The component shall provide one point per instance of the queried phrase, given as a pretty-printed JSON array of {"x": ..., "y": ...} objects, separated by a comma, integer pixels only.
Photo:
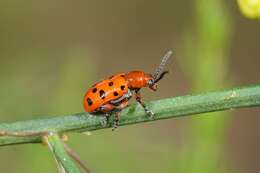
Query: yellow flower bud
[{"x": 250, "y": 8}]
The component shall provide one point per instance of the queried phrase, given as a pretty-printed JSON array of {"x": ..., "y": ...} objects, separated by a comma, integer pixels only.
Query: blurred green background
[{"x": 51, "y": 52}]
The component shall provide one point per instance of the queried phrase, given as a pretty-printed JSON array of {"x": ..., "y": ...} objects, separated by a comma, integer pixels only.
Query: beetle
[{"x": 113, "y": 93}]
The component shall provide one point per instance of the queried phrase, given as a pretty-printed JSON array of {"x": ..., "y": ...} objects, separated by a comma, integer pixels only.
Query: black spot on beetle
[
  {"x": 102, "y": 94},
  {"x": 115, "y": 93},
  {"x": 90, "y": 102},
  {"x": 111, "y": 83},
  {"x": 122, "y": 87},
  {"x": 94, "y": 90},
  {"x": 122, "y": 75}
]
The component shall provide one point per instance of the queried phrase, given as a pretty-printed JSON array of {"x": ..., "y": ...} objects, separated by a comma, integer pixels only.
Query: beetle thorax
[{"x": 137, "y": 79}]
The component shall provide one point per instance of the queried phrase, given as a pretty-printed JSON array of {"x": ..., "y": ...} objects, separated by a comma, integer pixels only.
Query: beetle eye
[{"x": 150, "y": 82}]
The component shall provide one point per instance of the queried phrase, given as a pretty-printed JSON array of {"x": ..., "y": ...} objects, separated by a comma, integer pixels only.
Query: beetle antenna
[
  {"x": 157, "y": 74},
  {"x": 160, "y": 76}
]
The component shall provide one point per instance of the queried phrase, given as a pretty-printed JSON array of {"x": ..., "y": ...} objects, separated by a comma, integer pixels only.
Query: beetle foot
[
  {"x": 150, "y": 113},
  {"x": 105, "y": 120},
  {"x": 115, "y": 126}
]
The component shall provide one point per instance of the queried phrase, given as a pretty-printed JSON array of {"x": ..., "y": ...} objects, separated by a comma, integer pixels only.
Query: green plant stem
[
  {"x": 57, "y": 148},
  {"x": 163, "y": 109}
]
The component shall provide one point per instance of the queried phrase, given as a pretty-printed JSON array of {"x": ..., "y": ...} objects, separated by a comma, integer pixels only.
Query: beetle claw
[
  {"x": 104, "y": 122},
  {"x": 150, "y": 113},
  {"x": 115, "y": 126}
]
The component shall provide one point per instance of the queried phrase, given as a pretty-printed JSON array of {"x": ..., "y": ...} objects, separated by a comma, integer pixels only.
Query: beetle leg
[
  {"x": 116, "y": 121},
  {"x": 126, "y": 96},
  {"x": 123, "y": 105},
  {"x": 118, "y": 112},
  {"x": 107, "y": 115},
  {"x": 106, "y": 109},
  {"x": 139, "y": 100},
  {"x": 105, "y": 120}
]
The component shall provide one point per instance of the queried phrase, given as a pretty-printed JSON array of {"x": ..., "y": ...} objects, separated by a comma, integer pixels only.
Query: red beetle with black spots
[{"x": 112, "y": 94}]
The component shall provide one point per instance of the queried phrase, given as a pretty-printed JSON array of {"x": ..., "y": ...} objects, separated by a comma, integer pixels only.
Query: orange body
[
  {"x": 105, "y": 91},
  {"x": 112, "y": 88}
]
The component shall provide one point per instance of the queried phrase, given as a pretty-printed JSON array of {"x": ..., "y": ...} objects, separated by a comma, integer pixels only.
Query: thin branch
[
  {"x": 163, "y": 109},
  {"x": 56, "y": 146},
  {"x": 76, "y": 157}
]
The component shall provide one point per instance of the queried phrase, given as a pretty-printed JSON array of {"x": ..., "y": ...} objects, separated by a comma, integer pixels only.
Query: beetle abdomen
[{"x": 105, "y": 91}]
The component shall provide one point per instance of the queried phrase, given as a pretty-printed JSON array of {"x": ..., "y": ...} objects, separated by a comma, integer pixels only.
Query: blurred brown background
[{"x": 52, "y": 51}]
